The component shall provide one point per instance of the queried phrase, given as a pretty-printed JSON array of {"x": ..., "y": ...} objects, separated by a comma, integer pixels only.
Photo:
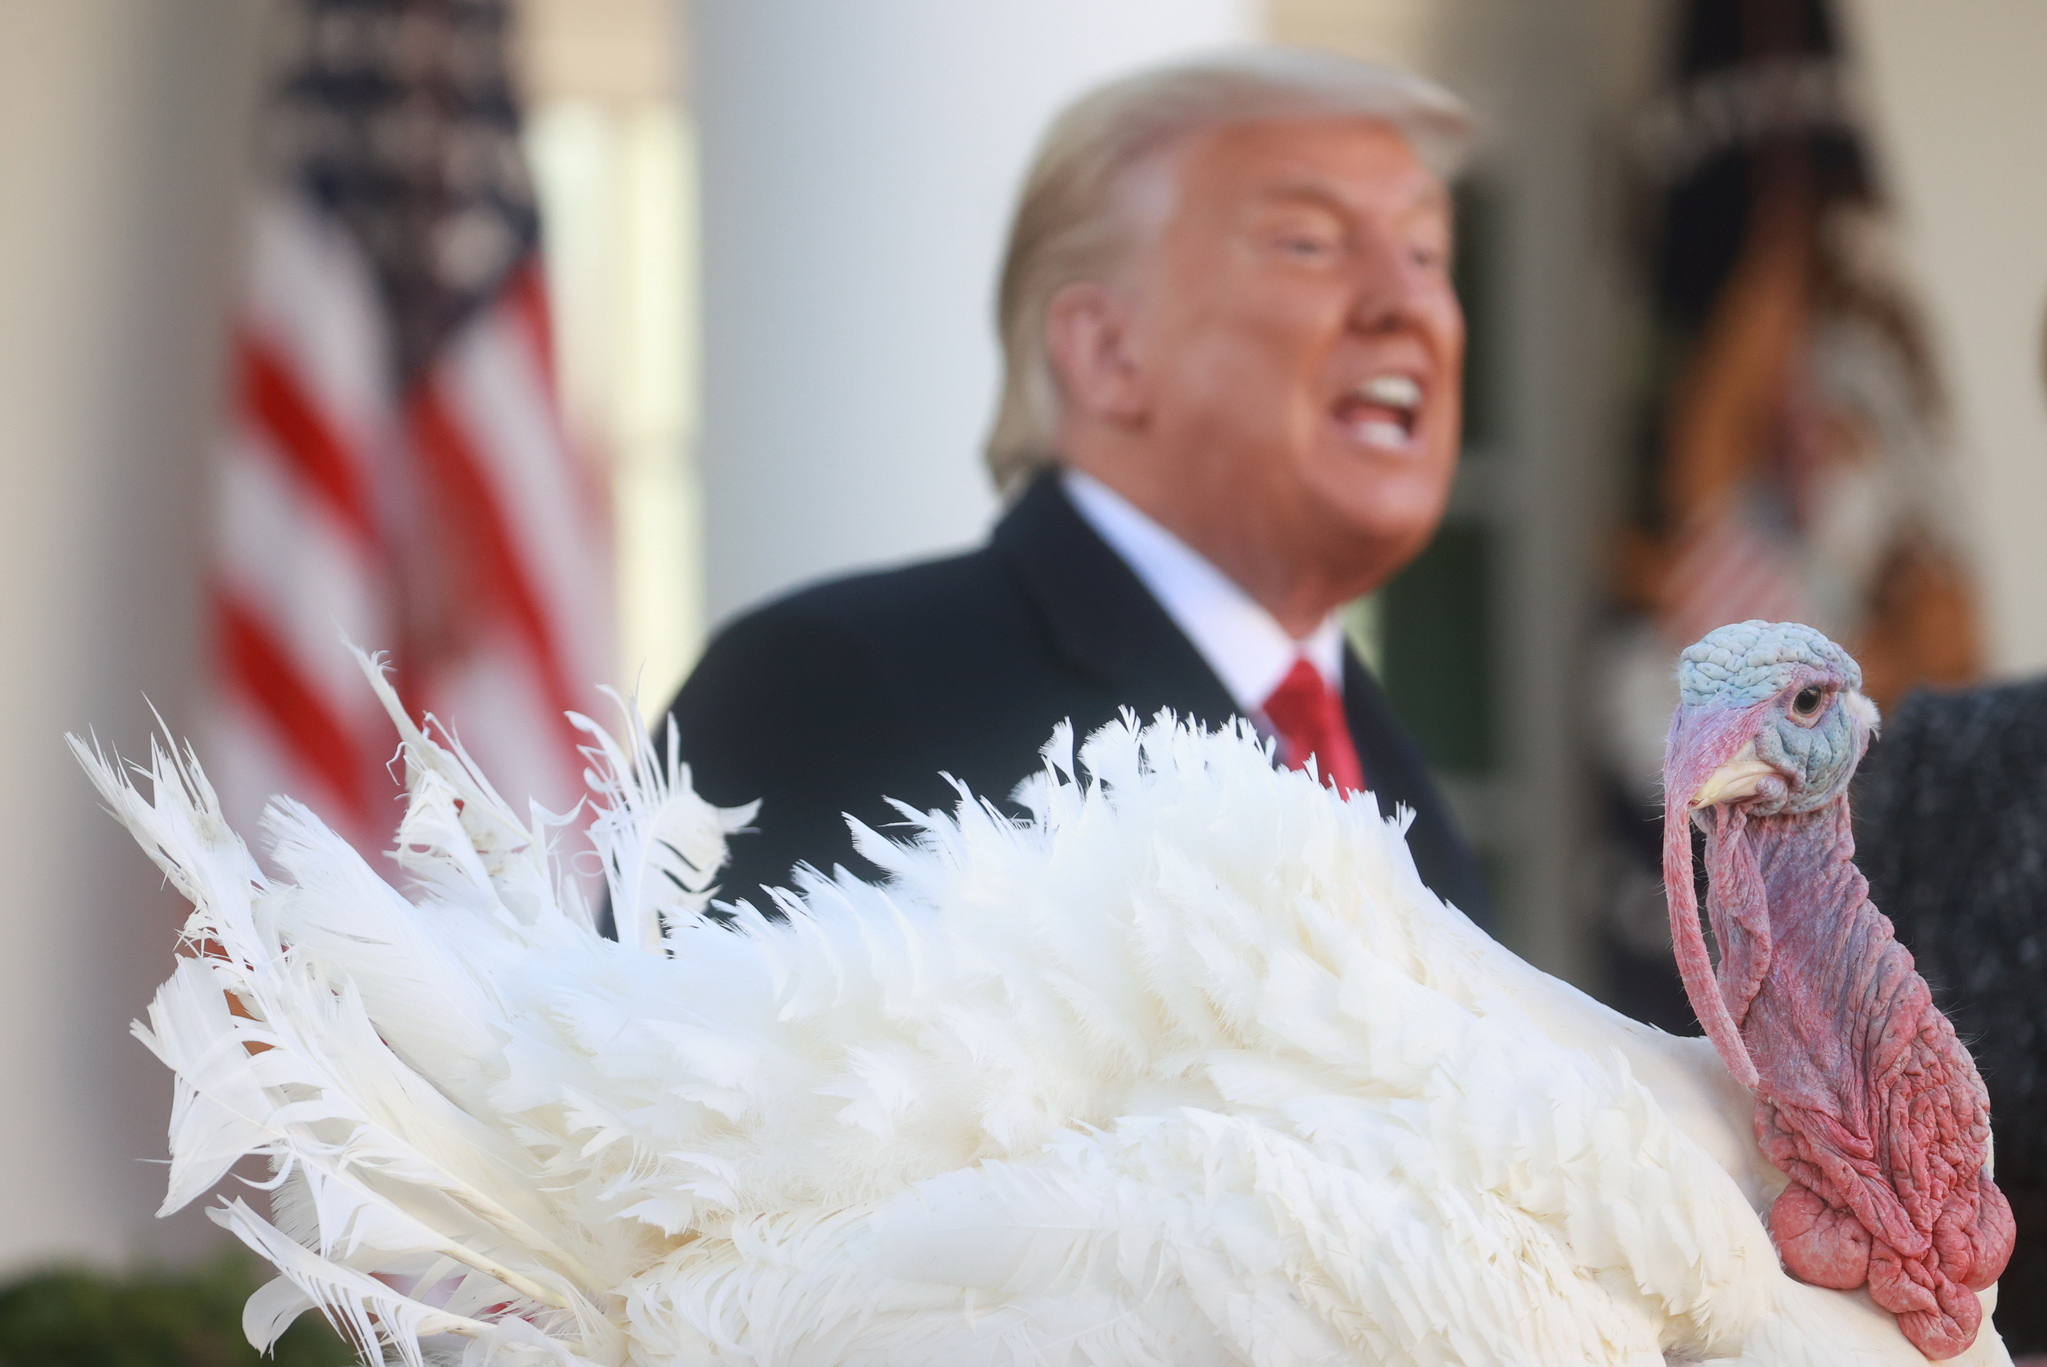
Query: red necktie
[{"x": 1308, "y": 715}]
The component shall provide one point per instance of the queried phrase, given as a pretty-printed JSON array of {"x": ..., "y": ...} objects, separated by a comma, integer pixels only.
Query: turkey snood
[{"x": 1864, "y": 1097}]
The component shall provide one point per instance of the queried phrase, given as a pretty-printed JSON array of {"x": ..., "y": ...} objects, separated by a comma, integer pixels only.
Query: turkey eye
[{"x": 1808, "y": 701}]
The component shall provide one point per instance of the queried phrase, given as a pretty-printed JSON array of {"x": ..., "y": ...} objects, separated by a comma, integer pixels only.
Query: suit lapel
[
  {"x": 1399, "y": 774},
  {"x": 1105, "y": 625},
  {"x": 1390, "y": 762},
  {"x": 1099, "y": 615}
]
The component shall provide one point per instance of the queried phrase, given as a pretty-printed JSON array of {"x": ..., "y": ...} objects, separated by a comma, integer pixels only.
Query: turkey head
[{"x": 1864, "y": 1097}]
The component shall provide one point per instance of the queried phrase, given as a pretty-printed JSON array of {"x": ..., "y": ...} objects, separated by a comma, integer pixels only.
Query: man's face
[{"x": 1300, "y": 344}]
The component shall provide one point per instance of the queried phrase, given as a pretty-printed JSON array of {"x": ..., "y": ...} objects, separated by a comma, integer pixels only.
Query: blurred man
[{"x": 1231, "y": 406}]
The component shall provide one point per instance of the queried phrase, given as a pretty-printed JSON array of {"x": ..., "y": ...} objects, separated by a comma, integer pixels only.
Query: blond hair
[{"x": 1069, "y": 224}]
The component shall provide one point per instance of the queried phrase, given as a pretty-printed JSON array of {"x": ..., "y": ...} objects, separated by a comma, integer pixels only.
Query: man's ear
[{"x": 1088, "y": 336}]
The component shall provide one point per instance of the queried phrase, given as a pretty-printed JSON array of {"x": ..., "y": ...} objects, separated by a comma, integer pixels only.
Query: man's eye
[{"x": 1306, "y": 246}]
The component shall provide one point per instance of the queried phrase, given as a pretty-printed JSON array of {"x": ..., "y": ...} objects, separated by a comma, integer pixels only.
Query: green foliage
[{"x": 184, "y": 1318}]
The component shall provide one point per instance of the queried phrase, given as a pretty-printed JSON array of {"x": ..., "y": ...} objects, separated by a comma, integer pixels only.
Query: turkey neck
[
  {"x": 1808, "y": 967},
  {"x": 1852, "y": 1057}
]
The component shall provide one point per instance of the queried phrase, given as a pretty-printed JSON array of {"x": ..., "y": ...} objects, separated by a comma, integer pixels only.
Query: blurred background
[{"x": 1756, "y": 295}]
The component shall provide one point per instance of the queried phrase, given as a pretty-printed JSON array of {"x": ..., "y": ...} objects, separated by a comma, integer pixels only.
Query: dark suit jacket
[
  {"x": 839, "y": 695},
  {"x": 1951, "y": 829}
]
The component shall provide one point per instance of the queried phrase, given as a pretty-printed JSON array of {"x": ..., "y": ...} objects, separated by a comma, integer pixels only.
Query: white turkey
[{"x": 1188, "y": 1067}]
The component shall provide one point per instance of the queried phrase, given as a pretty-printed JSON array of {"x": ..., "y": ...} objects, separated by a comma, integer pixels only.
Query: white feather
[
  {"x": 661, "y": 844},
  {"x": 1189, "y": 1067}
]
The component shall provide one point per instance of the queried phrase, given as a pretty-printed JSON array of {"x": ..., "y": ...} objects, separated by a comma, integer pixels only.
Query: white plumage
[{"x": 1190, "y": 1068}]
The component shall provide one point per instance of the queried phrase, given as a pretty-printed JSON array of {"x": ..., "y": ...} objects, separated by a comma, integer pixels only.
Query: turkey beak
[{"x": 1740, "y": 777}]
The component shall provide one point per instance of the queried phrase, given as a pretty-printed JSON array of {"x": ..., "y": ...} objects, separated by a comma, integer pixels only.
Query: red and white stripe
[
  {"x": 332, "y": 496},
  {"x": 1729, "y": 570},
  {"x": 301, "y": 549},
  {"x": 534, "y": 625}
]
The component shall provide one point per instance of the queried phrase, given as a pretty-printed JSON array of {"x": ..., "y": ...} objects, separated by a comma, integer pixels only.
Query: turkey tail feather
[
  {"x": 661, "y": 844},
  {"x": 328, "y": 1025}
]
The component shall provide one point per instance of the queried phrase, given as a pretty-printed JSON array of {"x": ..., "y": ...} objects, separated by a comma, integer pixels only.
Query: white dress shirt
[{"x": 1243, "y": 643}]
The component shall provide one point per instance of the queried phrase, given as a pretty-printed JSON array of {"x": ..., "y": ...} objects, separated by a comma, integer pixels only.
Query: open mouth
[{"x": 1383, "y": 411}]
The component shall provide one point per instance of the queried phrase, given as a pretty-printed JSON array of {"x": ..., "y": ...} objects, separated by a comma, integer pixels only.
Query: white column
[
  {"x": 860, "y": 158},
  {"x": 1961, "y": 110},
  {"x": 122, "y": 126}
]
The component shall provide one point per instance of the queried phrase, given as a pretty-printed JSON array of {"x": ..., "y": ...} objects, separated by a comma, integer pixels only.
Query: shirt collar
[{"x": 1243, "y": 643}]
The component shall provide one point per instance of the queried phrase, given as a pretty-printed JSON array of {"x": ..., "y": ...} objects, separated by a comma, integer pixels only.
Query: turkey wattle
[
  {"x": 1864, "y": 1097},
  {"x": 1188, "y": 1068}
]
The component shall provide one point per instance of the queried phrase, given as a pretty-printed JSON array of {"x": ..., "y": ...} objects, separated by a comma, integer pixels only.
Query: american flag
[
  {"x": 1733, "y": 565},
  {"x": 395, "y": 466}
]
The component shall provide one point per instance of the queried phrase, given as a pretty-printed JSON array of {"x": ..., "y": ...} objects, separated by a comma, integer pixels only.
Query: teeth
[
  {"x": 1390, "y": 435},
  {"x": 1392, "y": 391}
]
